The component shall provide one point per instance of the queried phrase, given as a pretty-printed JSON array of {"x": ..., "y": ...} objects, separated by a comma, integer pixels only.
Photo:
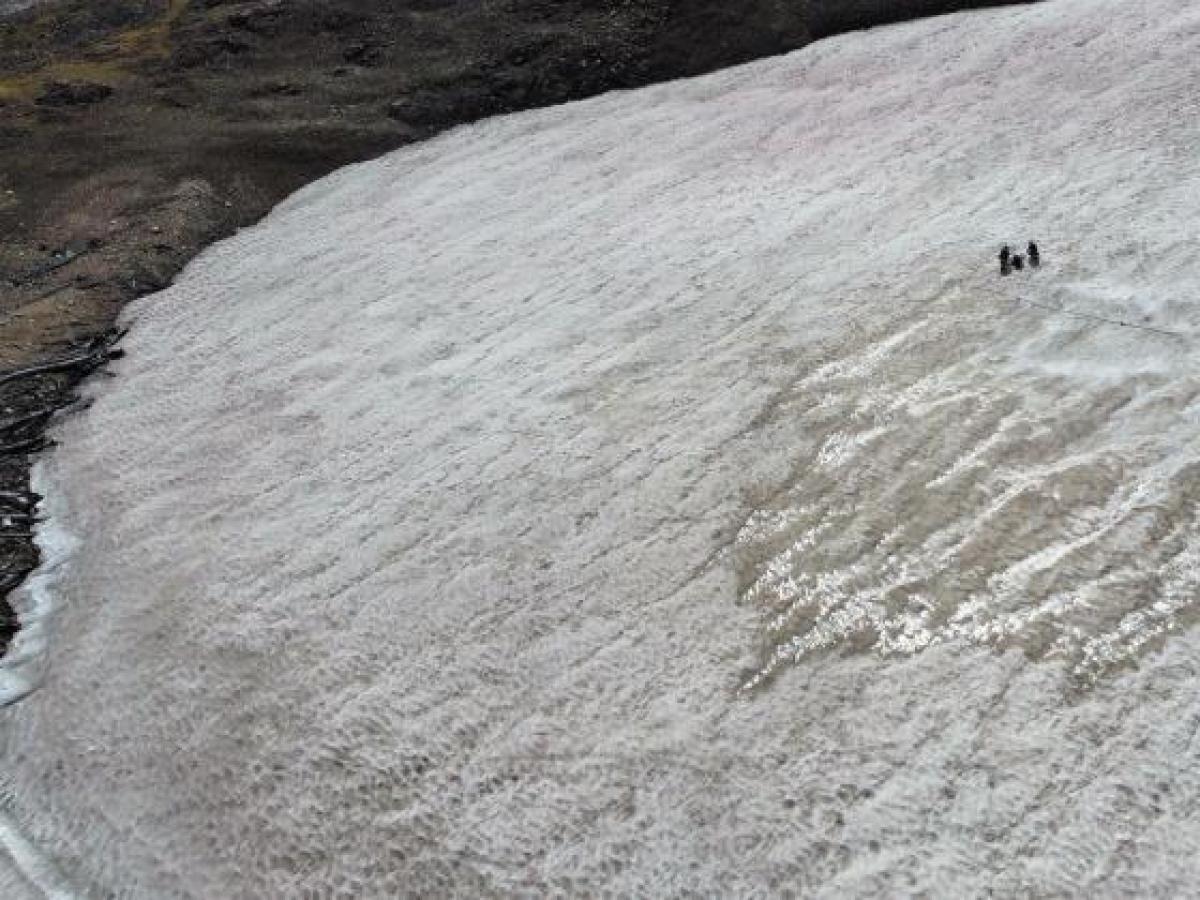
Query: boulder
[{"x": 74, "y": 93}]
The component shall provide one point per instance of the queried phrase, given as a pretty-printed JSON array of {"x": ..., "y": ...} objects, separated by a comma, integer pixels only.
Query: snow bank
[{"x": 663, "y": 494}]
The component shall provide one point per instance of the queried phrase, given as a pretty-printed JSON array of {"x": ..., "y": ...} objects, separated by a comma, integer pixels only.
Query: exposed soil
[{"x": 135, "y": 132}]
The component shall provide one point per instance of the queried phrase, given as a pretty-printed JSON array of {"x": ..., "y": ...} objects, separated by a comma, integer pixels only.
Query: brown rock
[{"x": 74, "y": 93}]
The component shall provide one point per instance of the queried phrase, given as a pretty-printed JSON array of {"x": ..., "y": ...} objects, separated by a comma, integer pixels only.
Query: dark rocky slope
[{"x": 135, "y": 132}]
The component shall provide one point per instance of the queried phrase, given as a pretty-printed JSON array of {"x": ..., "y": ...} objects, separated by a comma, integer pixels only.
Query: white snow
[
  {"x": 23, "y": 666},
  {"x": 663, "y": 494}
]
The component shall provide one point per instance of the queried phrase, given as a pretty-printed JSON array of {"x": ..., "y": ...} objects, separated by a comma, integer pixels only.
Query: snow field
[{"x": 662, "y": 494}]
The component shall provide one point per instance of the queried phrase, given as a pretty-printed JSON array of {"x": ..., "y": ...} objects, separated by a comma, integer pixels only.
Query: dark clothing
[
  {"x": 1035, "y": 257},
  {"x": 1018, "y": 262},
  {"x": 1004, "y": 256}
]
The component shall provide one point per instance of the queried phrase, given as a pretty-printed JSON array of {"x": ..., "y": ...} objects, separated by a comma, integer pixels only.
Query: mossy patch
[{"x": 108, "y": 61}]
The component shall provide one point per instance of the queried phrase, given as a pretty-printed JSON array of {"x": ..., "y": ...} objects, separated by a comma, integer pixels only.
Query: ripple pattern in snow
[
  {"x": 434, "y": 529},
  {"x": 1042, "y": 498}
]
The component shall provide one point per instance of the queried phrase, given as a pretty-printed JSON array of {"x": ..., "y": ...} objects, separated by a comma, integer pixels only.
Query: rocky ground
[{"x": 135, "y": 132}]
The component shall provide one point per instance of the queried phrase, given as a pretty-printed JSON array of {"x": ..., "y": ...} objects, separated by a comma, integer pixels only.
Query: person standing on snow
[
  {"x": 1005, "y": 253},
  {"x": 1035, "y": 257}
]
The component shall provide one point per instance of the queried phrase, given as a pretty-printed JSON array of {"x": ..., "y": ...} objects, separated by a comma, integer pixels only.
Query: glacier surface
[{"x": 661, "y": 494}]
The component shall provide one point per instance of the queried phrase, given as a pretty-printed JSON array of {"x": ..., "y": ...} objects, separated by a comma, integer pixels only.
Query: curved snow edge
[{"x": 23, "y": 667}]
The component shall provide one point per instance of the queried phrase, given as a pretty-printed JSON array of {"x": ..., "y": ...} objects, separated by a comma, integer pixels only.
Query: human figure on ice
[
  {"x": 1035, "y": 256},
  {"x": 1005, "y": 253}
]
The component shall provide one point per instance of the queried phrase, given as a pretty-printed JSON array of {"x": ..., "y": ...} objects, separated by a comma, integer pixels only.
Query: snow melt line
[{"x": 1104, "y": 319}]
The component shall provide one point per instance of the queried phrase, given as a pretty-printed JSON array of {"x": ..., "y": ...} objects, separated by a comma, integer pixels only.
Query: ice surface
[
  {"x": 24, "y": 870},
  {"x": 664, "y": 494}
]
